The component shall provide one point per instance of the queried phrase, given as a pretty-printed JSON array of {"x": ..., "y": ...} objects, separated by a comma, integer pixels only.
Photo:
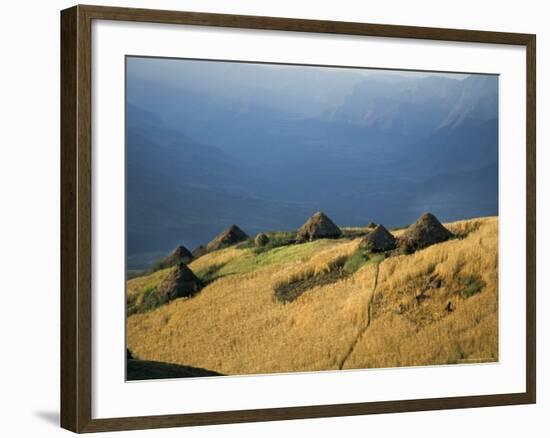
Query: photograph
[{"x": 288, "y": 218}]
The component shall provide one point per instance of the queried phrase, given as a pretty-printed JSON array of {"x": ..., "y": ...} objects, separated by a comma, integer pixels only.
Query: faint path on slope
[{"x": 363, "y": 329}]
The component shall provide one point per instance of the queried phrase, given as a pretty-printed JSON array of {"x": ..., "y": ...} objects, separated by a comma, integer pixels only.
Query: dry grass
[
  {"x": 138, "y": 285},
  {"x": 236, "y": 326},
  {"x": 411, "y": 325}
]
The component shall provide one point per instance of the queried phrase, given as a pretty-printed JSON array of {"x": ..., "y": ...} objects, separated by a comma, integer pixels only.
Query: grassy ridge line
[{"x": 234, "y": 326}]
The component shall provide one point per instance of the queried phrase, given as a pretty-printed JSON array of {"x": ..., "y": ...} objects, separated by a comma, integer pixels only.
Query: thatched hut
[
  {"x": 228, "y": 237},
  {"x": 180, "y": 282},
  {"x": 378, "y": 240},
  {"x": 261, "y": 239},
  {"x": 426, "y": 231},
  {"x": 318, "y": 226},
  {"x": 179, "y": 255}
]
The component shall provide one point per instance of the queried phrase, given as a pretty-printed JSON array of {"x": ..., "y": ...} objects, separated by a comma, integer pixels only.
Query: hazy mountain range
[{"x": 215, "y": 143}]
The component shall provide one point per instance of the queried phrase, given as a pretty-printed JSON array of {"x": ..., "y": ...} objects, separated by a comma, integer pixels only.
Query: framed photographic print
[{"x": 270, "y": 218}]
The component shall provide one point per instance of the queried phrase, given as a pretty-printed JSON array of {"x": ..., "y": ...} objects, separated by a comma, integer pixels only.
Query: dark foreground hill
[{"x": 147, "y": 370}]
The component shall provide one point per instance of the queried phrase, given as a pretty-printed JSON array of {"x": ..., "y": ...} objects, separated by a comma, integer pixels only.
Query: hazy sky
[
  {"x": 137, "y": 64},
  {"x": 305, "y": 90},
  {"x": 401, "y": 73}
]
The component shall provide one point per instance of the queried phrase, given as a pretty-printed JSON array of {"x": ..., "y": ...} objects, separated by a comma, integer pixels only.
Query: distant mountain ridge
[{"x": 381, "y": 149}]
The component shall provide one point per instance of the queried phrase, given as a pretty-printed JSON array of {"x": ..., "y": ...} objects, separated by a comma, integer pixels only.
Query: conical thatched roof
[
  {"x": 426, "y": 231},
  {"x": 378, "y": 240},
  {"x": 371, "y": 225},
  {"x": 180, "y": 255},
  {"x": 261, "y": 239},
  {"x": 228, "y": 237},
  {"x": 318, "y": 226},
  {"x": 180, "y": 282}
]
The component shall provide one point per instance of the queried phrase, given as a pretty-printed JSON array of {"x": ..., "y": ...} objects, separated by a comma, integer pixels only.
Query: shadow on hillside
[
  {"x": 148, "y": 370},
  {"x": 211, "y": 273}
]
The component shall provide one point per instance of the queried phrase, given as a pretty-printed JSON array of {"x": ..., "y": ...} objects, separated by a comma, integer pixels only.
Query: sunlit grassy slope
[{"x": 437, "y": 306}]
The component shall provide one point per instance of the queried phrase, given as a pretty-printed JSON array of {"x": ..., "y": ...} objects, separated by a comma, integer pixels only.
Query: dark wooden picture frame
[{"x": 76, "y": 218}]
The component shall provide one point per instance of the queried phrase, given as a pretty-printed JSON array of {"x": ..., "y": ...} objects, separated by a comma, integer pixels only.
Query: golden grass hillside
[{"x": 436, "y": 306}]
